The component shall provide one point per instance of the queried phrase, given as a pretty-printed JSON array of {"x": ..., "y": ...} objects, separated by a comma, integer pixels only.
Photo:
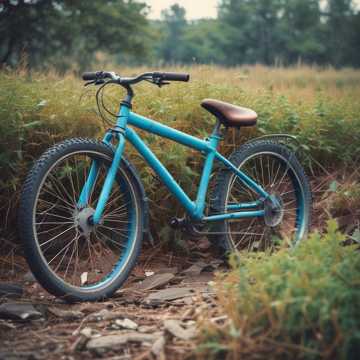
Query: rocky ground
[{"x": 153, "y": 317}]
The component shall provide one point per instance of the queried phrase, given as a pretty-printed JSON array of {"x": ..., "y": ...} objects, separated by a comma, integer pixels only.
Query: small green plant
[
  {"x": 346, "y": 197},
  {"x": 297, "y": 303}
]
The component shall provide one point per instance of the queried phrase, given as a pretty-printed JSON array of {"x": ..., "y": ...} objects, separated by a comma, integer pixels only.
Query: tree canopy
[
  {"x": 61, "y": 32},
  {"x": 69, "y": 34}
]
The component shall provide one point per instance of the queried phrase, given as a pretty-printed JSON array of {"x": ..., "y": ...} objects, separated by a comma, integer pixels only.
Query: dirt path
[{"x": 153, "y": 317}]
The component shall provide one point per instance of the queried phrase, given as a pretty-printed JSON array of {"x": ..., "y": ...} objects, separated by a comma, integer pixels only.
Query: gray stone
[
  {"x": 155, "y": 281},
  {"x": 87, "y": 332},
  {"x": 196, "y": 268},
  {"x": 11, "y": 290},
  {"x": 147, "y": 328},
  {"x": 176, "y": 328},
  {"x": 126, "y": 324},
  {"x": 19, "y": 311},
  {"x": 66, "y": 314},
  {"x": 168, "y": 295},
  {"x": 103, "y": 314},
  {"x": 113, "y": 341},
  {"x": 158, "y": 347}
]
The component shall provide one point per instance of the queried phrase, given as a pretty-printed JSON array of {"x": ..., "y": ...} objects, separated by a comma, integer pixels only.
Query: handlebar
[
  {"x": 172, "y": 76},
  {"x": 99, "y": 75},
  {"x": 157, "y": 78}
]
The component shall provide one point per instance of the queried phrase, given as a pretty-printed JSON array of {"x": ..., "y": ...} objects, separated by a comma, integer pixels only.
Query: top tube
[{"x": 157, "y": 128}]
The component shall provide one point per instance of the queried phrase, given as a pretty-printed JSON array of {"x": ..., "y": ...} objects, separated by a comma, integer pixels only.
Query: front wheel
[
  {"x": 278, "y": 171},
  {"x": 70, "y": 257}
]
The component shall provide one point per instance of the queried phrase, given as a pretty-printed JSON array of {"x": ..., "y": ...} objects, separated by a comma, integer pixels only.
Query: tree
[
  {"x": 59, "y": 32},
  {"x": 354, "y": 42},
  {"x": 340, "y": 31},
  {"x": 302, "y": 32},
  {"x": 250, "y": 30},
  {"x": 201, "y": 42},
  {"x": 174, "y": 26}
]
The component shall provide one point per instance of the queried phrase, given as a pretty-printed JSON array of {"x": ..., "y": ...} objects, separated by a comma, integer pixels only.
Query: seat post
[
  {"x": 217, "y": 129},
  {"x": 216, "y": 136}
]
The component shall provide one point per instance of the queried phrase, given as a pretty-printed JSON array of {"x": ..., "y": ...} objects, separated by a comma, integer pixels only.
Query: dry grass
[{"x": 320, "y": 106}]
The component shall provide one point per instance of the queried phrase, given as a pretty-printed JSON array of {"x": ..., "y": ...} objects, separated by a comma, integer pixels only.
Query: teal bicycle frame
[{"x": 209, "y": 147}]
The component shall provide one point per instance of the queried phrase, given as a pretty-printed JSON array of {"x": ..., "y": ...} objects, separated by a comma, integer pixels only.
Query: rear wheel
[
  {"x": 69, "y": 256},
  {"x": 277, "y": 170}
]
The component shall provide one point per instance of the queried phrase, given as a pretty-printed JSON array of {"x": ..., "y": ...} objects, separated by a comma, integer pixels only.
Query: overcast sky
[{"x": 195, "y": 9}]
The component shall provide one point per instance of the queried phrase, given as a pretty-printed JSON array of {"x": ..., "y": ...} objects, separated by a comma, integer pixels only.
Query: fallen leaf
[{"x": 84, "y": 278}]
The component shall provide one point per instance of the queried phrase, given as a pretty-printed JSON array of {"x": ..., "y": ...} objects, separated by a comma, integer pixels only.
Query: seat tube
[
  {"x": 214, "y": 141},
  {"x": 111, "y": 175}
]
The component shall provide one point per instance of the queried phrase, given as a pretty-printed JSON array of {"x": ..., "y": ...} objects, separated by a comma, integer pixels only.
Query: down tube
[{"x": 160, "y": 170}]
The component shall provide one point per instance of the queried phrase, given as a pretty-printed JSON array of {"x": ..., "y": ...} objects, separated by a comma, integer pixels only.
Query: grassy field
[{"x": 320, "y": 106}]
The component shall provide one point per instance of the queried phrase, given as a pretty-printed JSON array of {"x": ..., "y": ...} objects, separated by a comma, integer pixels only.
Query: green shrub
[
  {"x": 37, "y": 110},
  {"x": 298, "y": 303}
]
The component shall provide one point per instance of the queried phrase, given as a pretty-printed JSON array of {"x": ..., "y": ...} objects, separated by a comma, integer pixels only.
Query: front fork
[
  {"x": 118, "y": 133},
  {"x": 109, "y": 180}
]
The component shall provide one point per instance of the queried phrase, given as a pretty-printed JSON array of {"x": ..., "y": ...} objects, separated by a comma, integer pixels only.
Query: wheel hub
[
  {"x": 274, "y": 211},
  {"x": 82, "y": 221}
]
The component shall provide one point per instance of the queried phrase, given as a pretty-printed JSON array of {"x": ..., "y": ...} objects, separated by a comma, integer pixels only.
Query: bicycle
[{"x": 83, "y": 208}]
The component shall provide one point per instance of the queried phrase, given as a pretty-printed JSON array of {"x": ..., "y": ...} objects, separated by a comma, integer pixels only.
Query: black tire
[
  {"x": 221, "y": 231},
  {"x": 46, "y": 276}
]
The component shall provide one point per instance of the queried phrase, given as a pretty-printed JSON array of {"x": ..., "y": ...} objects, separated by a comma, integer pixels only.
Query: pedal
[{"x": 177, "y": 223}]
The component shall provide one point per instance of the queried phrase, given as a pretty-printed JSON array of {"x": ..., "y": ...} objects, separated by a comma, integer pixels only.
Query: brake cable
[
  {"x": 100, "y": 96},
  {"x": 101, "y": 106}
]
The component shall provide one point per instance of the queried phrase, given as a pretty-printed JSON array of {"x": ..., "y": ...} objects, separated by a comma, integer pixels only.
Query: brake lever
[
  {"x": 89, "y": 83},
  {"x": 160, "y": 82},
  {"x": 95, "y": 82},
  {"x": 163, "y": 83}
]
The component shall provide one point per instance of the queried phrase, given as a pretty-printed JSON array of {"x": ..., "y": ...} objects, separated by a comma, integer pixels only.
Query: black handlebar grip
[
  {"x": 175, "y": 77},
  {"x": 90, "y": 76}
]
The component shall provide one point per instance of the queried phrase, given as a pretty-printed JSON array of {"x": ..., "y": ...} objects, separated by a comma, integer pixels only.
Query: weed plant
[{"x": 301, "y": 303}]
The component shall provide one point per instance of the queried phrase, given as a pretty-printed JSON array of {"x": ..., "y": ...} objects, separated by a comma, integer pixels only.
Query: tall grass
[{"x": 320, "y": 106}]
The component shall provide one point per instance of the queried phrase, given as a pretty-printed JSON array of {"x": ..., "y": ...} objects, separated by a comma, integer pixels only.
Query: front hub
[
  {"x": 82, "y": 221},
  {"x": 274, "y": 210}
]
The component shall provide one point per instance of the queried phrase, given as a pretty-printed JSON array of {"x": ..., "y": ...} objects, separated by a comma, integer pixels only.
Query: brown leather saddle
[{"x": 230, "y": 115}]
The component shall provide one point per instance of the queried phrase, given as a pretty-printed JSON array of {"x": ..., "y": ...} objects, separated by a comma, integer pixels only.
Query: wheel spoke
[
  {"x": 55, "y": 181},
  {"x": 58, "y": 235},
  {"x": 61, "y": 251},
  {"x": 55, "y": 215},
  {"x": 275, "y": 174},
  {"x": 111, "y": 240}
]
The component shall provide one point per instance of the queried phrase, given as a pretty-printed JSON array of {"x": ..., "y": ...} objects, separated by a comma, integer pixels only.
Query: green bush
[
  {"x": 298, "y": 303},
  {"x": 37, "y": 110}
]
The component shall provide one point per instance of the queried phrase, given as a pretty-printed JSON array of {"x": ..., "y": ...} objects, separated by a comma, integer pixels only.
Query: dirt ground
[{"x": 152, "y": 317}]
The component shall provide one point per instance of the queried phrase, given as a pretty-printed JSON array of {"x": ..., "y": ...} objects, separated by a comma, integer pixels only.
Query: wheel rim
[
  {"x": 78, "y": 254},
  {"x": 274, "y": 173}
]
